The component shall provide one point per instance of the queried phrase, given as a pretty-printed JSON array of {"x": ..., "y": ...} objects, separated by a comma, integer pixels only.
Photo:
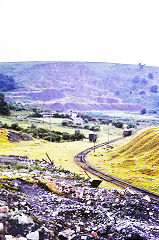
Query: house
[
  {"x": 76, "y": 120},
  {"x": 20, "y": 118},
  {"x": 47, "y": 115}
]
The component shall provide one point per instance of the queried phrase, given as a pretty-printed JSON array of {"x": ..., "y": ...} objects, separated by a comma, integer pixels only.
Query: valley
[{"x": 49, "y": 112}]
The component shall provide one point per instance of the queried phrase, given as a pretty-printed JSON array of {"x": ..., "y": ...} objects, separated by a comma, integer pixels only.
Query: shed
[
  {"x": 127, "y": 132},
  {"x": 92, "y": 137}
]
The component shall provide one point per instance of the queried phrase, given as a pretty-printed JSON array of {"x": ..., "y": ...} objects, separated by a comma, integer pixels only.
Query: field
[
  {"x": 56, "y": 125},
  {"x": 61, "y": 153}
]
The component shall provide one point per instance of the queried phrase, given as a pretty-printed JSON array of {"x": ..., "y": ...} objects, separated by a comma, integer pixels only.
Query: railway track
[{"x": 80, "y": 159}]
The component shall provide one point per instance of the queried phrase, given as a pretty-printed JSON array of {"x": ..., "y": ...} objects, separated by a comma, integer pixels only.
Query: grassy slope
[{"x": 137, "y": 161}]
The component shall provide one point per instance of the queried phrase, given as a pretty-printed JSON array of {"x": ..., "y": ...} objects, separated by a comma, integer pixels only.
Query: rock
[
  {"x": 151, "y": 213},
  {"x": 78, "y": 228},
  {"x": 4, "y": 209},
  {"x": 83, "y": 237},
  {"x": 81, "y": 192},
  {"x": 1, "y": 227},
  {"x": 23, "y": 219},
  {"x": 89, "y": 202},
  {"x": 135, "y": 236},
  {"x": 102, "y": 232},
  {"x": 21, "y": 238},
  {"x": 9, "y": 237},
  {"x": 66, "y": 234},
  {"x": 86, "y": 214},
  {"x": 2, "y": 203},
  {"x": 33, "y": 235},
  {"x": 147, "y": 198},
  {"x": 129, "y": 191},
  {"x": 109, "y": 214},
  {"x": 94, "y": 234},
  {"x": 23, "y": 203}
]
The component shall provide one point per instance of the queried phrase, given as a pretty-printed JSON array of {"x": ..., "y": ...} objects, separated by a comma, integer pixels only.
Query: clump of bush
[
  {"x": 95, "y": 128},
  {"x": 5, "y": 125},
  {"x": 87, "y": 117},
  {"x": 16, "y": 106},
  {"x": 117, "y": 124},
  {"x": 23, "y": 107},
  {"x": 73, "y": 137},
  {"x": 67, "y": 123},
  {"x": 144, "y": 81},
  {"x": 150, "y": 75},
  {"x": 60, "y": 115},
  {"x": 4, "y": 107},
  {"x": 154, "y": 89},
  {"x": 15, "y": 126},
  {"x": 55, "y": 136},
  {"x": 105, "y": 121},
  {"x": 143, "y": 111},
  {"x": 43, "y": 133},
  {"x": 136, "y": 79},
  {"x": 36, "y": 114}
]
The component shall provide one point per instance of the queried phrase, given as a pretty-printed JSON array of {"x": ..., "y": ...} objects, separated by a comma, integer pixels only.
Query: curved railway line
[{"x": 80, "y": 159}]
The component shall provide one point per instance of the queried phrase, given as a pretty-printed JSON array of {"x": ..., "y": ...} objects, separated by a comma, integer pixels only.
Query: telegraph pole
[
  {"x": 94, "y": 140},
  {"x": 50, "y": 129},
  {"x": 108, "y": 132},
  {"x": 37, "y": 133}
]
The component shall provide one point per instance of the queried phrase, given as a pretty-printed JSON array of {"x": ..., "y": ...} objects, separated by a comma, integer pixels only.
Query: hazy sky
[{"x": 124, "y": 31}]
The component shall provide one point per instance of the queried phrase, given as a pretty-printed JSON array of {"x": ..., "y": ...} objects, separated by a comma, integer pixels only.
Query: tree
[
  {"x": 64, "y": 123},
  {"x": 77, "y": 133},
  {"x": 136, "y": 79},
  {"x": 150, "y": 75},
  {"x": 65, "y": 136},
  {"x": 143, "y": 111},
  {"x": 144, "y": 81},
  {"x": 154, "y": 89},
  {"x": 7, "y": 83},
  {"x": 16, "y": 127},
  {"x": 4, "y": 108}
]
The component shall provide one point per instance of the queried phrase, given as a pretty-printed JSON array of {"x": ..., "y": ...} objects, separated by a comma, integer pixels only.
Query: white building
[{"x": 76, "y": 120}]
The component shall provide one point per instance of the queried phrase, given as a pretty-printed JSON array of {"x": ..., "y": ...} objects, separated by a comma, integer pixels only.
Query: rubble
[
  {"x": 1, "y": 227},
  {"x": 4, "y": 209},
  {"x": 33, "y": 235},
  {"x": 67, "y": 208},
  {"x": 66, "y": 234}
]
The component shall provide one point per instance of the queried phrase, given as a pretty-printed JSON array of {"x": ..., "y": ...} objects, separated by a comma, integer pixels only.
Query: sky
[{"x": 116, "y": 31}]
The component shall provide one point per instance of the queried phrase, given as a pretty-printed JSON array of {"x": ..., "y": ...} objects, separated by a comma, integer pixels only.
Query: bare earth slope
[{"x": 84, "y": 86}]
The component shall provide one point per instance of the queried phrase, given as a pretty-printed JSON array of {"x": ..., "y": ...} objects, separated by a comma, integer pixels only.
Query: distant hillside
[{"x": 84, "y": 86}]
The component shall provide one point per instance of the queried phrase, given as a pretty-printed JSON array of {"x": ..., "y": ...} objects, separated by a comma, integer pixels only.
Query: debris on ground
[{"x": 39, "y": 201}]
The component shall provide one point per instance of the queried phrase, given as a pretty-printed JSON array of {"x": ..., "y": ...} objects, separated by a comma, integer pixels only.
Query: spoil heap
[
  {"x": 40, "y": 201},
  {"x": 145, "y": 147},
  {"x": 136, "y": 162}
]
